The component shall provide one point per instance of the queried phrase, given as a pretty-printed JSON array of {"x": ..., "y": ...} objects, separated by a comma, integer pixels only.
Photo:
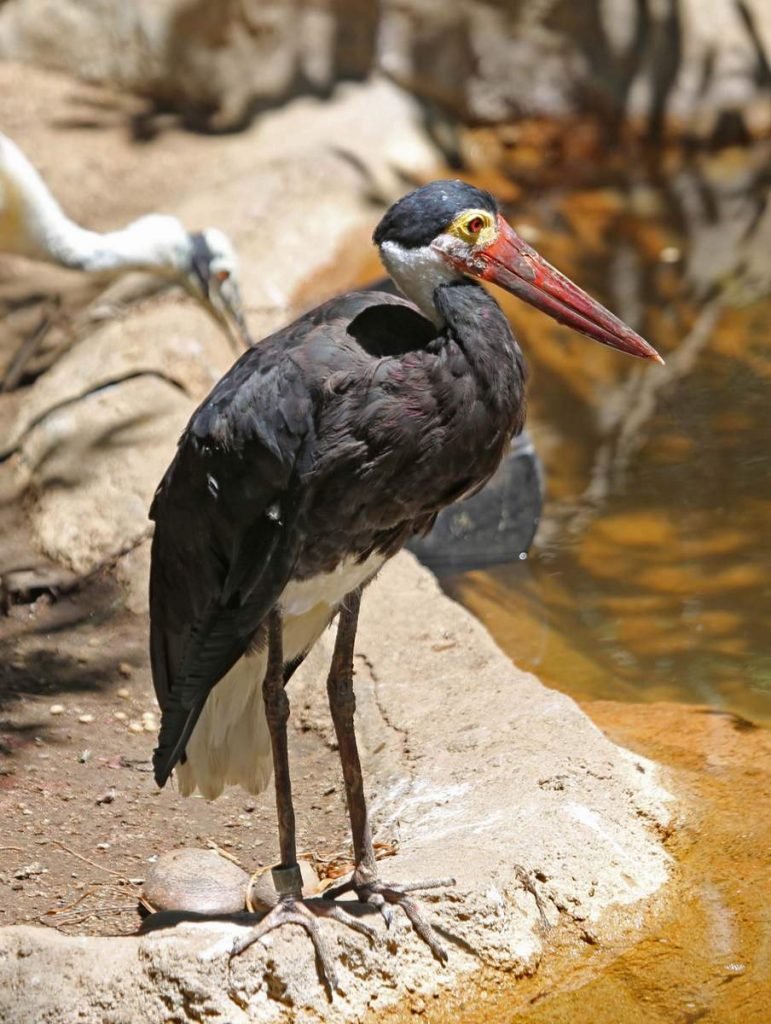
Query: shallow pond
[{"x": 650, "y": 576}]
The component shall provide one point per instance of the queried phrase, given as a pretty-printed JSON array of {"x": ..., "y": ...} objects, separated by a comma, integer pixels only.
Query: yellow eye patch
[{"x": 475, "y": 227}]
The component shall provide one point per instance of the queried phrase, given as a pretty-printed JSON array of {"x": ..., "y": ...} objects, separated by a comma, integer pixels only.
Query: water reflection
[{"x": 651, "y": 574}]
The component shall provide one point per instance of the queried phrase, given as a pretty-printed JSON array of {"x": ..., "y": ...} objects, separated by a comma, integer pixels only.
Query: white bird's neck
[
  {"x": 112, "y": 252},
  {"x": 33, "y": 224}
]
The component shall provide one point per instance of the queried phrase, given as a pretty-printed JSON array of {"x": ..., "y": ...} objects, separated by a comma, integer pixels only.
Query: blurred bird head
[{"x": 210, "y": 274}]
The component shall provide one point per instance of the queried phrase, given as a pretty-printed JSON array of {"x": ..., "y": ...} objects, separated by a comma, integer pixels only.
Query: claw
[{"x": 387, "y": 914}]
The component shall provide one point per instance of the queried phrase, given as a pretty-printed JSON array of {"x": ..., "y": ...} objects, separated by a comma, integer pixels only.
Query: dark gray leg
[
  {"x": 287, "y": 879},
  {"x": 342, "y": 704},
  {"x": 277, "y": 713},
  {"x": 364, "y": 880}
]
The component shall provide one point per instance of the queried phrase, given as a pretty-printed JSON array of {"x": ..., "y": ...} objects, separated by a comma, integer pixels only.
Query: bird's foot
[
  {"x": 385, "y": 896},
  {"x": 293, "y": 909}
]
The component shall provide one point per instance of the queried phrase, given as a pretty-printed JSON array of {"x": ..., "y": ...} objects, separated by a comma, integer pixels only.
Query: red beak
[{"x": 511, "y": 263}]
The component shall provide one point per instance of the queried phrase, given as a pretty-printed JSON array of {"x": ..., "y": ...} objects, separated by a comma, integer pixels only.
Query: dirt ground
[{"x": 80, "y": 815}]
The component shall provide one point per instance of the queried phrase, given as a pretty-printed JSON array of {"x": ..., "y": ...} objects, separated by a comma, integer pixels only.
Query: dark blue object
[{"x": 494, "y": 526}]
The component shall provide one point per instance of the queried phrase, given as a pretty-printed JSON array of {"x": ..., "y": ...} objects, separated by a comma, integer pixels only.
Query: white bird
[{"x": 33, "y": 224}]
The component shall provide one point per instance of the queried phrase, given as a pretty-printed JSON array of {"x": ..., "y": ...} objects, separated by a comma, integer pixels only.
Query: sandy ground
[{"x": 80, "y": 815}]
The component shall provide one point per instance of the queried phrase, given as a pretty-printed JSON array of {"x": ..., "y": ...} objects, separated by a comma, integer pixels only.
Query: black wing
[
  {"x": 224, "y": 542},
  {"x": 227, "y": 510}
]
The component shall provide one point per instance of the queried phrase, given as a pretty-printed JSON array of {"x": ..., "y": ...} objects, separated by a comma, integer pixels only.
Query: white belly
[
  {"x": 330, "y": 588},
  {"x": 230, "y": 744}
]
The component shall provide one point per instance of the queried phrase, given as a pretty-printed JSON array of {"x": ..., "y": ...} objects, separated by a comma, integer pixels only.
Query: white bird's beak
[
  {"x": 212, "y": 279},
  {"x": 224, "y": 304}
]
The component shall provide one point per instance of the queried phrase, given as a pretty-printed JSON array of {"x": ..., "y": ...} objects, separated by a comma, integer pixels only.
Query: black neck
[{"x": 478, "y": 325}]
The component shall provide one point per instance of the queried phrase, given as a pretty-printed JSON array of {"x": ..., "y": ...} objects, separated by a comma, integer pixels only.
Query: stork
[
  {"x": 32, "y": 224},
  {"x": 311, "y": 462}
]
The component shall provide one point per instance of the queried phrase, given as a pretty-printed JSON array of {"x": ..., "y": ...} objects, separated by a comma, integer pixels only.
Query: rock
[
  {"x": 203, "y": 882},
  {"x": 262, "y": 893},
  {"x": 196, "y": 880},
  {"x": 475, "y": 767},
  {"x": 693, "y": 65},
  {"x": 475, "y": 770}
]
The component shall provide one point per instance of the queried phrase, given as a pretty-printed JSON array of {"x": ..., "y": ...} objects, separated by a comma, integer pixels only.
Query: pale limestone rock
[{"x": 473, "y": 768}]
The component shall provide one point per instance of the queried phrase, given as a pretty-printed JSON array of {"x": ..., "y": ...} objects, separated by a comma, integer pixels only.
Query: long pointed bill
[
  {"x": 224, "y": 304},
  {"x": 511, "y": 263}
]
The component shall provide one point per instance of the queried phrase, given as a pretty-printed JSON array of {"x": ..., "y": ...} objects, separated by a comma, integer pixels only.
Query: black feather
[
  {"x": 420, "y": 216},
  {"x": 339, "y": 436}
]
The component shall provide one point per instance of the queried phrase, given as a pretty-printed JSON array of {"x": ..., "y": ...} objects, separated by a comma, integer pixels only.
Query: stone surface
[
  {"x": 203, "y": 882},
  {"x": 473, "y": 768},
  {"x": 195, "y": 880}
]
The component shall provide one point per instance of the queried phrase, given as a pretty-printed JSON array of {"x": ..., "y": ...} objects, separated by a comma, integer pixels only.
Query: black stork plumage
[{"x": 312, "y": 461}]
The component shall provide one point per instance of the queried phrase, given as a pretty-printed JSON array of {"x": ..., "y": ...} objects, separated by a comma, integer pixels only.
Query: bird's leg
[
  {"x": 287, "y": 878},
  {"x": 364, "y": 881}
]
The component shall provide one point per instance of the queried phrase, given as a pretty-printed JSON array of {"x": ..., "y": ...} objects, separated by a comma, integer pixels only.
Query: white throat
[{"x": 418, "y": 273}]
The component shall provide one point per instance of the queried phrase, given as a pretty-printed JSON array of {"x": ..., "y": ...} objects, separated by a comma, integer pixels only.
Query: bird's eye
[
  {"x": 222, "y": 275},
  {"x": 475, "y": 225}
]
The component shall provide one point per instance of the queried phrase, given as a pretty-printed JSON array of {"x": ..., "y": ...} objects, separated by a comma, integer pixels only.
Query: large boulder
[
  {"x": 698, "y": 66},
  {"x": 474, "y": 770}
]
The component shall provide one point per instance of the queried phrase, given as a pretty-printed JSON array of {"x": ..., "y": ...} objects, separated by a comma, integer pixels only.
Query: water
[{"x": 650, "y": 577}]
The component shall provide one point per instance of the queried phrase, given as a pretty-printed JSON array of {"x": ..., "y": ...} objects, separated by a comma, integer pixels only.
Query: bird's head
[
  {"x": 205, "y": 262},
  {"x": 211, "y": 276},
  {"x": 449, "y": 229}
]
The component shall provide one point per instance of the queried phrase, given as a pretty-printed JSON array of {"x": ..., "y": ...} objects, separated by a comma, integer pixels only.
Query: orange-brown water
[
  {"x": 704, "y": 947},
  {"x": 650, "y": 578}
]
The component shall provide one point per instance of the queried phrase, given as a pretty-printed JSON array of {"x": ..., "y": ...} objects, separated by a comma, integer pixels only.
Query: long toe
[
  {"x": 292, "y": 911},
  {"x": 326, "y": 908},
  {"x": 385, "y": 896},
  {"x": 419, "y": 922}
]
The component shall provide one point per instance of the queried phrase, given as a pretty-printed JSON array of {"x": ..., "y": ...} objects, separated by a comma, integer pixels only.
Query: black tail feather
[{"x": 177, "y": 726}]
